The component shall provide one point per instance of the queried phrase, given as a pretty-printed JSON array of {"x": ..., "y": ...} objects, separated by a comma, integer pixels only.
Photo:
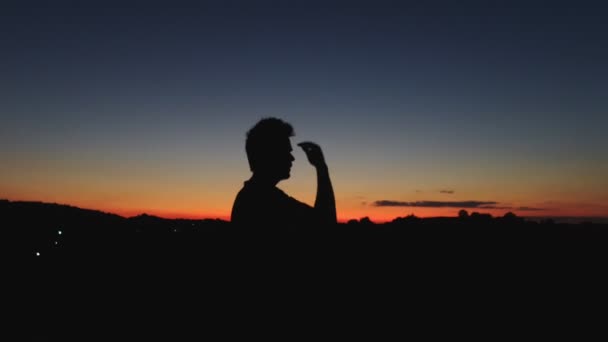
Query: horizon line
[{"x": 599, "y": 219}]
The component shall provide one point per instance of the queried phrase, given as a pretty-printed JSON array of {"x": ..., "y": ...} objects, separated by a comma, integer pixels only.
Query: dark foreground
[
  {"x": 41, "y": 232},
  {"x": 395, "y": 246},
  {"x": 76, "y": 273}
]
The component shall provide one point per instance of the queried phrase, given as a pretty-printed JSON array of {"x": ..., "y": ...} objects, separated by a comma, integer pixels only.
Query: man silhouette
[{"x": 260, "y": 204}]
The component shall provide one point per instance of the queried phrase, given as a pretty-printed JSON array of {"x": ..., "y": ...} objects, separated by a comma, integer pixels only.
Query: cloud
[
  {"x": 452, "y": 204},
  {"x": 449, "y": 192},
  {"x": 434, "y": 204},
  {"x": 511, "y": 208},
  {"x": 494, "y": 207},
  {"x": 529, "y": 209}
]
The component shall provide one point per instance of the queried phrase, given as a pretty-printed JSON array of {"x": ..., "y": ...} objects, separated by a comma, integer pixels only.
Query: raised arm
[{"x": 325, "y": 202}]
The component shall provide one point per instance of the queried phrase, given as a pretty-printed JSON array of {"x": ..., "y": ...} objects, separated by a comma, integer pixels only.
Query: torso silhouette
[{"x": 265, "y": 207}]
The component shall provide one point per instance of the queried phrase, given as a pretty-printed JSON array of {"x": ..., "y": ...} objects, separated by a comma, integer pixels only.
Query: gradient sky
[{"x": 422, "y": 108}]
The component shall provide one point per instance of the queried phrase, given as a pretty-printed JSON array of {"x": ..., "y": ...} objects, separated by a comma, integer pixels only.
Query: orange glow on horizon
[
  {"x": 377, "y": 218},
  {"x": 173, "y": 215},
  {"x": 346, "y": 213}
]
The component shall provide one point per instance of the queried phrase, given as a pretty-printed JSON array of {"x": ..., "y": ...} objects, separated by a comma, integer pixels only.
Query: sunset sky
[{"x": 133, "y": 107}]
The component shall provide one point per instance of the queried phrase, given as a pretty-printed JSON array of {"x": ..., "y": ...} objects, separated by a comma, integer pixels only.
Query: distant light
[
  {"x": 56, "y": 242},
  {"x": 59, "y": 232},
  {"x": 37, "y": 253}
]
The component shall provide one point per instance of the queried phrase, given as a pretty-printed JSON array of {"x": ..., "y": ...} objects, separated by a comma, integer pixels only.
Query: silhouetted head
[{"x": 269, "y": 148}]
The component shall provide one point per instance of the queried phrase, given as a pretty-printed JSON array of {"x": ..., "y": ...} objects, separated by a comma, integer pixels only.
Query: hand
[{"x": 313, "y": 153}]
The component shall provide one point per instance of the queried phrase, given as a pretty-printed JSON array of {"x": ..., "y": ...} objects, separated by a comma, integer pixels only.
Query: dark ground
[{"x": 136, "y": 278}]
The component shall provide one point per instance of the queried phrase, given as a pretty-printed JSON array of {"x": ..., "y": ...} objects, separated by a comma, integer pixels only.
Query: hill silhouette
[
  {"x": 69, "y": 250},
  {"x": 40, "y": 229}
]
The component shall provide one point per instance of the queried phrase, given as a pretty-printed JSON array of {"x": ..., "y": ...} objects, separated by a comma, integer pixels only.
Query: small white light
[
  {"x": 59, "y": 232},
  {"x": 56, "y": 242},
  {"x": 37, "y": 253}
]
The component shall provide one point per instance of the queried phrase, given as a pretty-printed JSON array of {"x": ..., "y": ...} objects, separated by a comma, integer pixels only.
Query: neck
[{"x": 264, "y": 179}]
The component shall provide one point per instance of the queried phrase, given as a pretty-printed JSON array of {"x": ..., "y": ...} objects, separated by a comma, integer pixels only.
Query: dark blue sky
[{"x": 390, "y": 88}]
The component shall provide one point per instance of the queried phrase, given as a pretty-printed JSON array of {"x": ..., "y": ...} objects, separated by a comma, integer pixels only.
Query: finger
[{"x": 307, "y": 145}]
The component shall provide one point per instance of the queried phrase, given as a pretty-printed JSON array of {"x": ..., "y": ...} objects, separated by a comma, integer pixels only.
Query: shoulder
[{"x": 291, "y": 205}]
